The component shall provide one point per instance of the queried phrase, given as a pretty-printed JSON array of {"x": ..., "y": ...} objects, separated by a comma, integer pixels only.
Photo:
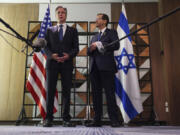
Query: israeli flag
[{"x": 127, "y": 86}]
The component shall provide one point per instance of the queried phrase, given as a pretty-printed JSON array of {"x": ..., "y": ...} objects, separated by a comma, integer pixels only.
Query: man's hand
[
  {"x": 93, "y": 47},
  {"x": 57, "y": 58},
  {"x": 65, "y": 57}
]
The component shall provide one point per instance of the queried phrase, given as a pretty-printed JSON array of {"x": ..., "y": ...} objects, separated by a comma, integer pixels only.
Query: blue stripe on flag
[
  {"x": 42, "y": 51},
  {"x": 123, "y": 23},
  {"x": 128, "y": 106}
]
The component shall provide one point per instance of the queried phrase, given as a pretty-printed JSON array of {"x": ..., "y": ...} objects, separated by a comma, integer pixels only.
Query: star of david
[{"x": 130, "y": 64}]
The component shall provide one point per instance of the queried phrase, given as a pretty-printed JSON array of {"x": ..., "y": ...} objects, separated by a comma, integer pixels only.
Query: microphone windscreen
[{"x": 40, "y": 42}]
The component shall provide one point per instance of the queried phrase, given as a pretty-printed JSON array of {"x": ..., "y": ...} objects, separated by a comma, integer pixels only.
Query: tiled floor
[{"x": 81, "y": 130}]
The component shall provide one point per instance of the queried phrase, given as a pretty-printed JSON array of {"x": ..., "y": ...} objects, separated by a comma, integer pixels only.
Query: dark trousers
[
  {"x": 99, "y": 80},
  {"x": 66, "y": 82}
]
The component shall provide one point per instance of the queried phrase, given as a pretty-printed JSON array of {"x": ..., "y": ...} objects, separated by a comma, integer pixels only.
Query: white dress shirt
[
  {"x": 99, "y": 45},
  {"x": 64, "y": 28}
]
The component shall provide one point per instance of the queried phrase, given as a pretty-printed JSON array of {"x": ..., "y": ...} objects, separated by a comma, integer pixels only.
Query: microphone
[{"x": 40, "y": 43}]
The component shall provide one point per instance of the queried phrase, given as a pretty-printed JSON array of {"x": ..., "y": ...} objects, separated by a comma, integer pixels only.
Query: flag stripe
[
  {"x": 128, "y": 106},
  {"x": 123, "y": 23},
  {"x": 40, "y": 65},
  {"x": 36, "y": 98},
  {"x": 38, "y": 81},
  {"x": 36, "y": 90},
  {"x": 43, "y": 53},
  {"x": 123, "y": 112}
]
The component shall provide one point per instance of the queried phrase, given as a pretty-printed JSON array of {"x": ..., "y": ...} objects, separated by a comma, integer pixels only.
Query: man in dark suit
[
  {"x": 102, "y": 71},
  {"x": 62, "y": 47}
]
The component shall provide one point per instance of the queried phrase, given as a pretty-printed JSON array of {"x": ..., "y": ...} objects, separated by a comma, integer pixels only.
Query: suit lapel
[
  {"x": 104, "y": 34},
  {"x": 96, "y": 37},
  {"x": 56, "y": 33},
  {"x": 66, "y": 33}
]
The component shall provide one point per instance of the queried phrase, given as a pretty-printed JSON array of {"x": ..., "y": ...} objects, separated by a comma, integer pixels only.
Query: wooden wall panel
[
  {"x": 12, "y": 61},
  {"x": 169, "y": 33},
  {"x": 136, "y": 12},
  {"x": 164, "y": 37}
]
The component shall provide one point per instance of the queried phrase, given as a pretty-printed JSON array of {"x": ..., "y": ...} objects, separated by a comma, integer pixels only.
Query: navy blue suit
[
  {"x": 69, "y": 45},
  {"x": 102, "y": 75}
]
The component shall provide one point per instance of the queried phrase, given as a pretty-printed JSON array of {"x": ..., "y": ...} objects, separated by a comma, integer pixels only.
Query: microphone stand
[
  {"x": 6, "y": 40},
  {"x": 31, "y": 39},
  {"x": 147, "y": 25},
  {"x": 17, "y": 34}
]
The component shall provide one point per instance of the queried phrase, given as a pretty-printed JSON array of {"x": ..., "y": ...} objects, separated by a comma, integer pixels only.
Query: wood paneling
[
  {"x": 136, "y": 12},
  {"x": 12, "y": 60},
  {"x": 169, "y": 35},
  {"x": 164, "y": 53}
]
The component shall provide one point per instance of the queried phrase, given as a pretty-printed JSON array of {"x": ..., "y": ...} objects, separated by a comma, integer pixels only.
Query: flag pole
[
  {"x": 122, "y": 1},
  {"x": 49, "y": 4},
  {"x": 145, "y": 26}
]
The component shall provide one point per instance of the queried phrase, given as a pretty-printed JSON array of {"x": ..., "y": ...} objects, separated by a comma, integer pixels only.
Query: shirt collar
[
  {"x": 103, "y": 30},
  {"x": 64, "y": 24}
]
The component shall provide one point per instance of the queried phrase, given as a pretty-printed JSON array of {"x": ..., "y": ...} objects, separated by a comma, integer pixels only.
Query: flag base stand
[
  {"x": 154, "y": 121},
  {"x": 22, "y": 118},
  {"x": 85, "y": 122}
]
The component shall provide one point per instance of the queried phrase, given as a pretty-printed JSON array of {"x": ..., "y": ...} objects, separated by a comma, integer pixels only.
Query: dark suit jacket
[
  {"x": 105, "y": 62},
  {"x": 70, "y": 45}
]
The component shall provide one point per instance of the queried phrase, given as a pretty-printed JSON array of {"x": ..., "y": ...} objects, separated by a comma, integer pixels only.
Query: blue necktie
[
  {"x": 99, "y": 36},
  {"x": 61, "y": 33}
]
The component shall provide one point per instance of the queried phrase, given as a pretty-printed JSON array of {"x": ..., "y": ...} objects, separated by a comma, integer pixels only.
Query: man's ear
[{"x": 105, "y": 22}]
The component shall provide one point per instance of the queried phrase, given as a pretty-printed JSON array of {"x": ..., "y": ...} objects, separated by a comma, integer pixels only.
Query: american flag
[{"x": 36, "y": 82}]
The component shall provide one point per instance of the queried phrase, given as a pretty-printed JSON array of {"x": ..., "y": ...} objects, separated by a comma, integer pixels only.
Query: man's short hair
[
  {"x": 104, "y": 17},
  {"x": 65, "y": 9}
]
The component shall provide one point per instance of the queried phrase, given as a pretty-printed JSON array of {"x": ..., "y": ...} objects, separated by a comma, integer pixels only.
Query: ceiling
[{"x": 73, "y": 1}]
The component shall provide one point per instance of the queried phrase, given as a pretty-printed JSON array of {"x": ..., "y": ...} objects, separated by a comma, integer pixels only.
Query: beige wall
[{"x": 12, "y": 61}]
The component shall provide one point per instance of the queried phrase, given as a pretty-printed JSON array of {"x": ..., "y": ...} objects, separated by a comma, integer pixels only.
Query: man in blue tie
[
  {"x": 62, "y": 47},
  {"x": 102, "y": 71}
]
